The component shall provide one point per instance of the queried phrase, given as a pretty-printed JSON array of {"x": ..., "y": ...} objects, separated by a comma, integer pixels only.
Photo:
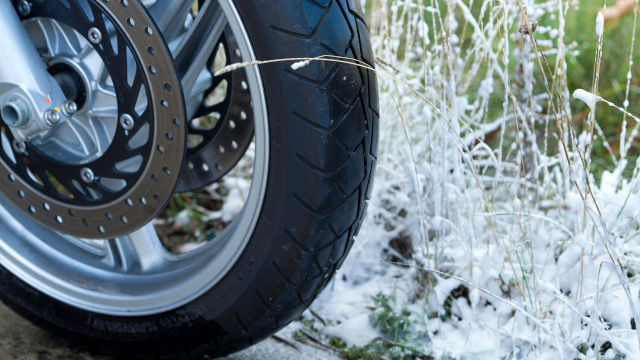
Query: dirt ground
[{"x": 20, "y": 340}]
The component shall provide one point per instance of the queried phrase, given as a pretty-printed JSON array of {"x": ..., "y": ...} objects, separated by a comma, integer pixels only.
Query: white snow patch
[
  {"x": 190, "y": 246},
  {"x": 238, "y": 192},
  {"x": 183, "y": 217},
  {"x": 300, "y": 64},
  {"x": 587, "y": 97},
  {"x": 600, "y": 24},
  {"x": 355, "y": 331}
]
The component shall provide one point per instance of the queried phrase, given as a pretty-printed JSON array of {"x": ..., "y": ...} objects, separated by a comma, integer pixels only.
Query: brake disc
[
  {"x": 222, "y": 127},
  {"x": 126, "y": 180}
]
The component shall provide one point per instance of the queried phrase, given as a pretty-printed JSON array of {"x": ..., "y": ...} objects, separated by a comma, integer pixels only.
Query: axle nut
[{"x": 15, "y": 112}]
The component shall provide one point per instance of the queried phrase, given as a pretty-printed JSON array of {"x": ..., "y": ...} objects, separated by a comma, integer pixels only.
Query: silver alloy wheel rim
[{"x": 134, "y": 275}]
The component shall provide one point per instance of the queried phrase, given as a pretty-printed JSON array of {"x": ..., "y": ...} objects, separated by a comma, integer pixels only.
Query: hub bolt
[
  {"x": 19, "y": 147},
  {"x": 126, "y": 121},
  {"x": 69, "y": 108},
  {"x": 23, "y": 7},
  {"x": 95, "y": 36},
  {"x": 87, "y": 175},
  {"x": 51, "y": 117}
]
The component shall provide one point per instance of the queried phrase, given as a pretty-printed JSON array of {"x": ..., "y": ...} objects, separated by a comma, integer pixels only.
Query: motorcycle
[{"x": 112, "y": 109}]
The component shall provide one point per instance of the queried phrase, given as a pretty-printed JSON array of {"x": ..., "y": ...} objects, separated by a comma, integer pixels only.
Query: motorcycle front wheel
[{"x": 313, "y": 141}]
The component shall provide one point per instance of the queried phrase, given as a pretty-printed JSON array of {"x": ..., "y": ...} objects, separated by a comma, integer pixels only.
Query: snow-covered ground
[{"x": 519, "y": 251}]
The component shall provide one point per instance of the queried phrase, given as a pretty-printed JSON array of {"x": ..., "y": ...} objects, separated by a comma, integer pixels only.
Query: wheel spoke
[
  {"x": 56, "y": 41},
  {"x": 141, "y": 251},
  {"x": 194, "y": 51}
]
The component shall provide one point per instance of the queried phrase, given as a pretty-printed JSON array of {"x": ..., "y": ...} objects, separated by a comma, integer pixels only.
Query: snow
[
  {"x": 533, "y": 250},
  {"x": 190, "y": 246},
  {"x": 183, "y": 218},
  {"x": 355, "y": 330},
  {"x": 238, "y": 193},
  {"x": 600, "y": 24},
  {"x": 587, "y": 97},
  {"x": 299, "y": 64}
]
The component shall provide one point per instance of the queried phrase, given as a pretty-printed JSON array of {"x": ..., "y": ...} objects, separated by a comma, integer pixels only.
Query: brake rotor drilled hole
[{"x": 143, "y": 103}]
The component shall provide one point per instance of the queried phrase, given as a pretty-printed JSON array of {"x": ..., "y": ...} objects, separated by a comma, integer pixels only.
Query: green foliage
[
  {"x": 580, "y": 25},
  {"x": 382, "y": 349},
  {"x": 391, "y": 324},
  {"x": 399, "y": 343}
]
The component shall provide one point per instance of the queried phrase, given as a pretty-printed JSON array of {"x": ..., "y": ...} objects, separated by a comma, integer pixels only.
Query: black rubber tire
[{"x": 323, "y": 125}]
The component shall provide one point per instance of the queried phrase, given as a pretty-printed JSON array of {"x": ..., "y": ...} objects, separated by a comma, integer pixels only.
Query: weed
[{"x": 393, "y": 325}]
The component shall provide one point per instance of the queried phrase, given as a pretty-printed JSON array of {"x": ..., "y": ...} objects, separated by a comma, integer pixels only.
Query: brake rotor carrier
[
  {"x": 222, "y": 145},
  {"x": 131, "y": 181}
]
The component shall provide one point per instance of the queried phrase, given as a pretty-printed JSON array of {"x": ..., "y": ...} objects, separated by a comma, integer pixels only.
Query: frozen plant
[{"x": 486, "y": 186}]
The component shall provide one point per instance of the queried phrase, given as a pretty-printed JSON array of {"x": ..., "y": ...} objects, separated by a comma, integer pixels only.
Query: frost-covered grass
[{"x": 522, "y": 243}]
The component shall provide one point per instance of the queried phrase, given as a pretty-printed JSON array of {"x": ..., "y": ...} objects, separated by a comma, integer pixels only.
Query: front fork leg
[{"x": 31, "y": 101}]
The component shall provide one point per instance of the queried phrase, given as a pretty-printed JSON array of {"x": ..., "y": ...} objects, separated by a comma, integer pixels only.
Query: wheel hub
[
  {"x": 71, "y": 82},
  {"x": 99, "y": 176}
]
